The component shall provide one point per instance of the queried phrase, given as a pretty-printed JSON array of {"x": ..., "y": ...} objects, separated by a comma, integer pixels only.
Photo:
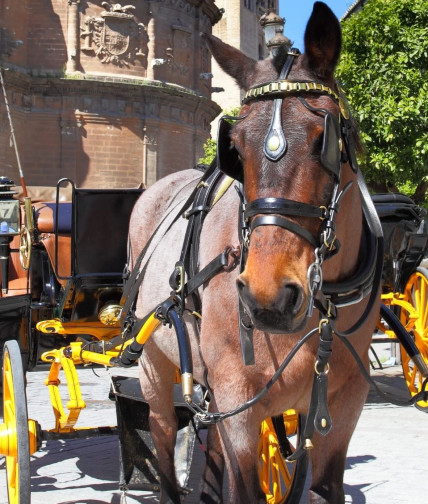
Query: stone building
[
  {"x": 103, "y": 93},
  {"x": 355, "y": 7},
  {"x": 240, "y": 27}
]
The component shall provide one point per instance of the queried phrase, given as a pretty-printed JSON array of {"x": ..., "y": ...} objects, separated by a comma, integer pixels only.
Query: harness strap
[
  {"x": 275, "y": 143},
  {"x": 283, "y": 206},
  {"x": 374, "y": 280},
  {"x": 217, "y": 265},
  {"x": 420, "y": 396},
  {"x": 132, "y": 285},
  {"x": 195, "y": 210},
  {"x": 245, "y": 323},
  {"x": 246, "y": 330},
  {"x": 196, "y": 215},
  {"x": 277, "y": 220}
]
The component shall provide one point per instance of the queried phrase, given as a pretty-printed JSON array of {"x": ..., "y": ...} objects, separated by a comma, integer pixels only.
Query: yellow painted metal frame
[
  {"x": 413, "y": 303},
  {"x": 412, "y": 317},
  {"x": 401, "y": 300},
  {"x": 275, "y": 475},
  {"x": 67, "y": 358},
  {"x": 64, "y": 422}
]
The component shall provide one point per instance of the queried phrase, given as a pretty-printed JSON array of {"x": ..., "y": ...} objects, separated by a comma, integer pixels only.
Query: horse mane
[{"x": 358, "y": 142}]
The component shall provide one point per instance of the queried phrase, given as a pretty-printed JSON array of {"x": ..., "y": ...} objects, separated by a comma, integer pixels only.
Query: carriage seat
[
  {"x": 405, "y": 237},
  {"x": 52, "y": 232},
  {"x": 44, "y": 193},
  {"x": 395, "y": 205},
  {"x": 45, "y": 215}
]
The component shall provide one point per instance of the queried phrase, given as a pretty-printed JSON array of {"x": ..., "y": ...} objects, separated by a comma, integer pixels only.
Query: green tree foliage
[
  {"x": 210, "y": 150},
  {"x": 210, "y": 146},
  {"x": 384, "y": 72}
]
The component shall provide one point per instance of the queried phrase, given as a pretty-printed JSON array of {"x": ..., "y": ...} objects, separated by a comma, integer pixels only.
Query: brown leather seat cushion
[{"x": 46, "y": 214}]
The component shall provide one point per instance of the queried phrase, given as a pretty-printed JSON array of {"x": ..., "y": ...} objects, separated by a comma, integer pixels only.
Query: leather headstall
[{"x": 337, "y": 149}]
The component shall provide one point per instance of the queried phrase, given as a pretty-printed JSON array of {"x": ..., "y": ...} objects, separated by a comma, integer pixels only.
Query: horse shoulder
[{"x": 155, "y": 202}]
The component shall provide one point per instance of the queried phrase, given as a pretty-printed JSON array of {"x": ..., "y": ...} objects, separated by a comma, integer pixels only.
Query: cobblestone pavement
[{"x": 386, "y": 459}]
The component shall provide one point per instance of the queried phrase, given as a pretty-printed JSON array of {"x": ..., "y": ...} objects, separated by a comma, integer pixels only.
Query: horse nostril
[{"x": 292, "y": 297}]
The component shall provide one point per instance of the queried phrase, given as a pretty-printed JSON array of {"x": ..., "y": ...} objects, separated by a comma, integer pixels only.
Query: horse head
[{"x": 286, "y": 148}]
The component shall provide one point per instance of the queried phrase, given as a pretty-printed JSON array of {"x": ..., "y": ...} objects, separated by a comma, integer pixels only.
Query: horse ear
[
  {"x": 323, "y": 40},
  {"x": 231, "y": 60}
]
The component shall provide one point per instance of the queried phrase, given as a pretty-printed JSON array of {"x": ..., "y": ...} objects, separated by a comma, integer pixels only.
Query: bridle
[
  {"x": 273, "y": 211},
  {"x": 337, "y": 149}
]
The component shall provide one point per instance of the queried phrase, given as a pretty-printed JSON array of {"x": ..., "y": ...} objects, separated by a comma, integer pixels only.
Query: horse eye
[
  {"x": 317, "y": 145},
  {"x": 238, "y": 151}
]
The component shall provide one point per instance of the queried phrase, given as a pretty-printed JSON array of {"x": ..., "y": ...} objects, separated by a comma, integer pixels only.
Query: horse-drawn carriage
[
  {"x": 81, "y": 293},
  {"x": 405, "y": 285},
  {"x": 294, "y": 256}
]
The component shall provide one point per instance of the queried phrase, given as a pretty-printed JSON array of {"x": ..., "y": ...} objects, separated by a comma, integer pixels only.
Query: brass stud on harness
[
  {"x": 273, "y": 143},
  {"x": 308, "y": 444}
]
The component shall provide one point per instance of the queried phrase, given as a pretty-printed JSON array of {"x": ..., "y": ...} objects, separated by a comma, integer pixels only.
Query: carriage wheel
[
  {"x": 416, "y": 293},
  {"x": 25, "y": 248},
  {"x": 282, "y": 481},
  {"x": 14, "y": 434}
]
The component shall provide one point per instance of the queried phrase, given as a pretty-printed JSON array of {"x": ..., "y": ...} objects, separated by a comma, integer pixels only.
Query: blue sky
[{"x": 297, "y": 13}]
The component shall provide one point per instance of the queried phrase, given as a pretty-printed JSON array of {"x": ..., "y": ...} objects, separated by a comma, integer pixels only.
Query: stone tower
[
  {"x": 240, "y": 27},
  {"x": 106, "y": 94}
]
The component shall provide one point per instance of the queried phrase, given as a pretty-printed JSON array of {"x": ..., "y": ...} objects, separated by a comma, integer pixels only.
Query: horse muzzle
[{"x": 283, "y": 313}]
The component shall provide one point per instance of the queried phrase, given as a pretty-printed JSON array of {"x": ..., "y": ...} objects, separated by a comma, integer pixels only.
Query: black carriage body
[
  {"x": 137, "y": 455},
  {"x": 100, "y": 220},
  {"x": 15, "y": 325},
  {"x": 405, "y": 235},
  {"x": 78, "y": 256}
]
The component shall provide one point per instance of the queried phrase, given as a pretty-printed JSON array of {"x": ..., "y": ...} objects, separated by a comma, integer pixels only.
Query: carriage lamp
[
  {"x": 273, "y": 28},
  {"x": 9, "y": 226}
]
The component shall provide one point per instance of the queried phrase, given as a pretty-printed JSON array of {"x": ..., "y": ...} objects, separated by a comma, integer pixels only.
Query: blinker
[
  {"x": 227, "y": 156},
  {"x": 331, "y": 151}
]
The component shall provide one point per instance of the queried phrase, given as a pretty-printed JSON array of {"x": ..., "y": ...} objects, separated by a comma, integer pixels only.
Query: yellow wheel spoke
[
  {"x": 17, "y": 432},
  {"x": 278, "y": 477},
  {"x": 415, "y": 317}
]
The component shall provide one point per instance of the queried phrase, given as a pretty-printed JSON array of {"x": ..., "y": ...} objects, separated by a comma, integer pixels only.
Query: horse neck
[{"x": 349, "y": 229}]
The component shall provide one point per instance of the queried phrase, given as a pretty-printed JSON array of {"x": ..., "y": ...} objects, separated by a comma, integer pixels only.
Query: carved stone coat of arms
[{"x": 116, "y": 36}]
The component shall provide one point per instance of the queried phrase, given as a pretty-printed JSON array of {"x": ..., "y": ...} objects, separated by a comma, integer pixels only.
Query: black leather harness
[{"x": 327, "y": 298}]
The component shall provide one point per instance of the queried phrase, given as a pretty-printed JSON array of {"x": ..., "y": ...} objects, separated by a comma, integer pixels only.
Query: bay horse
[{"x": 293, "y": 150}]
